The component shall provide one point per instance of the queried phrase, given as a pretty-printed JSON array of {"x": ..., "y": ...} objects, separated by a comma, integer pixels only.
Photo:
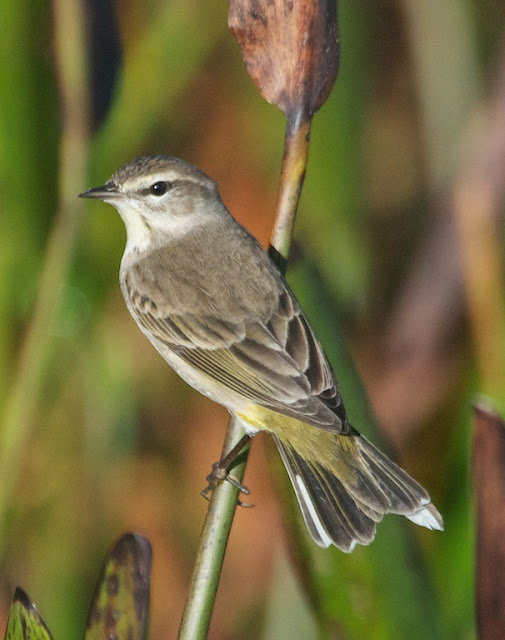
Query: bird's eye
[{"x": 159, "y": 188}]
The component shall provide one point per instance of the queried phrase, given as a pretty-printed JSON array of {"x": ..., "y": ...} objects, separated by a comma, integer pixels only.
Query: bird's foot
[{"x": 220, "y": 474}]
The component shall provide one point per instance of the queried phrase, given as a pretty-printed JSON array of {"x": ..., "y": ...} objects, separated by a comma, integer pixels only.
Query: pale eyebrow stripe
[{"x": 175, "y": 182}]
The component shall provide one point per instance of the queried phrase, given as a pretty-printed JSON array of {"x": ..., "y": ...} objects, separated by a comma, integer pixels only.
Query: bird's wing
[{"x": 276, "y": 363}]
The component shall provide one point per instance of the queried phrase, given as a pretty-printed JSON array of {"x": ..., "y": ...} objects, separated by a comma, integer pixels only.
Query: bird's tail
[{"x": 342, "y": 505}]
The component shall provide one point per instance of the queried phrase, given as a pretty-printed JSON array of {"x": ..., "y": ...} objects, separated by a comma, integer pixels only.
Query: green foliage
[
  {"x": 24, "y": 621},
  {"x": 120, "y": 606}
]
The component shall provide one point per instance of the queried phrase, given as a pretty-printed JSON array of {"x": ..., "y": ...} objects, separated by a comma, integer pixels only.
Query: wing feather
[{"x": 276, "y": 362}]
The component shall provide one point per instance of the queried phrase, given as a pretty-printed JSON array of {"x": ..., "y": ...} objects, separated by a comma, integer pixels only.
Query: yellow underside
[{"x": 314, "y": 445}]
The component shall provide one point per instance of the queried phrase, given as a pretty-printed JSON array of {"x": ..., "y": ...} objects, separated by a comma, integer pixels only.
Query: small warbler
[{"x": 213, "y": 304}]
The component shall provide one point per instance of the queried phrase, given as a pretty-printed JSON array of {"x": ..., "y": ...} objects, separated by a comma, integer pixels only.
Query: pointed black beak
[{"x": 105, "y": 192}]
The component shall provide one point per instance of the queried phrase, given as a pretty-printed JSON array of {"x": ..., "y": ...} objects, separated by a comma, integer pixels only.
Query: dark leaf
[{"x": 489, "y": 478}]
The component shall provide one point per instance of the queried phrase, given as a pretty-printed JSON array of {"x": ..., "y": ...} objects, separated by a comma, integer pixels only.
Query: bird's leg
[{"x": 220, "y": 471}]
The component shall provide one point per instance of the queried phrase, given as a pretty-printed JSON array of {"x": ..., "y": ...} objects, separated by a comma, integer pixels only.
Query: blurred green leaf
[
  {"x": 332, "y": 206},
  {"x": 142, "y": 98}
]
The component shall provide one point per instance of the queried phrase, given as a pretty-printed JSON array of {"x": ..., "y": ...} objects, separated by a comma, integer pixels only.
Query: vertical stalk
[
  {"x": 213, "y": 540},
  {"x": 294, "y": 164},
  {"x": 23, "y": 397}
]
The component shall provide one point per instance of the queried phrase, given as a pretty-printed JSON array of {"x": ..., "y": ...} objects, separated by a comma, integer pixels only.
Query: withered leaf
[
  {"x": 290, "y": 48},
  {"x": 489, "y": 479}
]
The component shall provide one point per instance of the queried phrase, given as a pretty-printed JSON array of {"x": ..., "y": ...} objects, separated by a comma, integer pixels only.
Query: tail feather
[
  {"x": 336, "y": 504},
  {"x": 342, "y": 505},
  {"x": 405, "y": 495}
]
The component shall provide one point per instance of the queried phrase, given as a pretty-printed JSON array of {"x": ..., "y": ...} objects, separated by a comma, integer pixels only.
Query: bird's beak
[{"x": 108, "y": 191}]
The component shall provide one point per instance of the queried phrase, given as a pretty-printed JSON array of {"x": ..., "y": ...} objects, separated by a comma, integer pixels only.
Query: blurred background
[{"x": 398, "y": 261}]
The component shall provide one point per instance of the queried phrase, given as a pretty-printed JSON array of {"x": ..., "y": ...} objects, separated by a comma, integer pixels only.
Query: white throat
[
  {"x": 144, "y": 233},
  {"x": 139, "y": 237}
]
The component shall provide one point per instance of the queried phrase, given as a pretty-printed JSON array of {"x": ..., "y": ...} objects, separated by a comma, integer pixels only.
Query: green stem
[{"x": 213, "y": 541}]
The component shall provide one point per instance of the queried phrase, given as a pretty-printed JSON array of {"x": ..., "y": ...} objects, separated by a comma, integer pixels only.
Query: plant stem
[
  {"x": 213, "y": 541},
  {"x": 294, "y": 164}
]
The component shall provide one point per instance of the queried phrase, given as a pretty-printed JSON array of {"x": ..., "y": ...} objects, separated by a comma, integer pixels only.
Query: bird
[{"x": 213, "y": 304}]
